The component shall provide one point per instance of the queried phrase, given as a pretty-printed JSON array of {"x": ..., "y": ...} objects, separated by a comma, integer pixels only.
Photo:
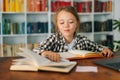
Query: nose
[{"x": 66, "y": 24}]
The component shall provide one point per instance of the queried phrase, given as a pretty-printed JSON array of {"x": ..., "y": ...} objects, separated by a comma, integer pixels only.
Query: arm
[
  {"x": 46, "y": 49},
  {"x": 96, "y": 47}
]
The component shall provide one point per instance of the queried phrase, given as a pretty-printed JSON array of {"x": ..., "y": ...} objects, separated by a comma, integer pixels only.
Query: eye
[
  {"x": 61, "y": 22},
  {"x": 71, "y": 22}
]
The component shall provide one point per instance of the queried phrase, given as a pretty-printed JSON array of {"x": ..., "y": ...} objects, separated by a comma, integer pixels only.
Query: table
[{"x": 102, "y": 74}]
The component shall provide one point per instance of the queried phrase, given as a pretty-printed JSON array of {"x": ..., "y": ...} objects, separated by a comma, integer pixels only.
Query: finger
[
  {"x": 56, "y": 57},
  {"x": 110, "y": 54},
  {"x": 50, "y": 56},
  {"x": 104, "y": 54}
]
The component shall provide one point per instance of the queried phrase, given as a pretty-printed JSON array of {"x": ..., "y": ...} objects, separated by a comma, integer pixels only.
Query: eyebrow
[{"x": 63, "y": 19}]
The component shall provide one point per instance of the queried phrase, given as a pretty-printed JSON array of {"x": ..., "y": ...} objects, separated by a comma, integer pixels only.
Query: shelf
[
  {"x": 13, "y": 13},
  {"x": 43, "y": 34},
  {"x": 32, "y": 23},
  {"x": 14, "y": 35},
  {"x": 102, "y": 13},
  {"x": 104, "y": 32},
  {"x": 40, "y": 13},
  {"x": 85, "y": 14}
]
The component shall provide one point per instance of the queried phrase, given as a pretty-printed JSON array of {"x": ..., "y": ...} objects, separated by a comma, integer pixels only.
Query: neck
[{"x": 69, "y": 39}]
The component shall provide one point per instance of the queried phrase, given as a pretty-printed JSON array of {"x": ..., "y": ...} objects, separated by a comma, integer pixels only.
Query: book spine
[
  {"x": 4, "y": 49},
  {"x": 17, "y": 5},
  {"x": 38, "y": 5},
  {"x": 7, "y": 5},
  {"x": 2, "y": 5},
  {"x": 11, "y": 27},
  {"x": 28, "y": 5},
  {"x": 110, "y": 6},
  {"x": 12, "y": 6}
]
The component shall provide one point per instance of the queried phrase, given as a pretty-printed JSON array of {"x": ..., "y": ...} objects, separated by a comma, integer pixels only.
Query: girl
[{"x": 66, "y": 21}]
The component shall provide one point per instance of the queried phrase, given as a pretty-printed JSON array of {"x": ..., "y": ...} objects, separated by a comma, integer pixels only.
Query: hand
[
  {"x": 51, "y": 55},
  {"x": 106, "y": 52}
]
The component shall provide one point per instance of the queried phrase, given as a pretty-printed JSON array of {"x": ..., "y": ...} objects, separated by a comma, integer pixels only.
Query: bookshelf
[{"x": 28, "y": 24}]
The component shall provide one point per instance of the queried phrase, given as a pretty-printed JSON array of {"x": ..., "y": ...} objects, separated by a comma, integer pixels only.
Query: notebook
[{"x": 113, "y": 63}]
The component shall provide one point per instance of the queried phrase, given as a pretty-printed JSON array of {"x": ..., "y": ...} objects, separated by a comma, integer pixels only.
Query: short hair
[{"x": 70, "y": 9}]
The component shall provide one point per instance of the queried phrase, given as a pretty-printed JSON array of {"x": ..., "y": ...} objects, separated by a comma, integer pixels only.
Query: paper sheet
[{"x": 86, "y": 69}]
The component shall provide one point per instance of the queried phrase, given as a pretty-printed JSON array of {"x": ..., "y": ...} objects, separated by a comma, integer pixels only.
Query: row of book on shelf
[
  {"x": 13, "y": 5},
  {"x": 42, "y": 27},
  {"x": 103, "y": 6},
  {"x": 99, "y": 26},
  {"x": 42, "y": 5},
  {"x": 103, "y": 25},
  {"x": 19, "y": 5},
  {"x": 37, "y": 5},
  {"x": 10, "y": 27},
  {"x": 84, "y": 6},
  {"x": 12, "y": 49},
  {"x": 37, "y": 27}
]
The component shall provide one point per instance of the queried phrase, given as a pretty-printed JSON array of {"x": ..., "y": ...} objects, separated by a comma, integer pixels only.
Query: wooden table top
[{"x": 102, "y": 74}]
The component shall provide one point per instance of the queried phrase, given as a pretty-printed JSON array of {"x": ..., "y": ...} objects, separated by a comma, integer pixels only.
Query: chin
[{"x": 67, "y": 34}]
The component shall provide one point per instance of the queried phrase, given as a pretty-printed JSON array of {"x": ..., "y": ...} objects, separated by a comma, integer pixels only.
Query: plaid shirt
[{"x": 56, "y": 43}]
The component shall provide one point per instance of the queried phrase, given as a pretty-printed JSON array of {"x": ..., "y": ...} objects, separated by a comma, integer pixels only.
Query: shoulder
[
  {"x": 52, "y": 37},
  {"x": 79, "y": 37}
]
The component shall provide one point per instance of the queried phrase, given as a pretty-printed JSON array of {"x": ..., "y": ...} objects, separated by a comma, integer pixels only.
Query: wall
[{"x": 116, "y": 15}]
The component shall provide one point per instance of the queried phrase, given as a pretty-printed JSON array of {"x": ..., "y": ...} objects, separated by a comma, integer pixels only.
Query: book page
[
  {"x": 66, "y": 55},
  {"x": 34, "y": 57},
  {"x": 74, "y": 53},
  {"x": 40, "y": 60},
  {"x": 80, "y": 52}
]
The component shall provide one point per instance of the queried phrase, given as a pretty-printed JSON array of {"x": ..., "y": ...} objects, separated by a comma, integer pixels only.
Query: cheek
[{"x": 74, "y": 27}]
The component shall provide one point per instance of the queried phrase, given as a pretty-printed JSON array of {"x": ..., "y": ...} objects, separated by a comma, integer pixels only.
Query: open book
[
  {"x": 79, "y": 54},
  {"x": 33, "y": 62}
]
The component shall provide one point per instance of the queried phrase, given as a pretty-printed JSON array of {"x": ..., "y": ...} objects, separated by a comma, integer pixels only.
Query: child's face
[{"x": 67, "y": 23}]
